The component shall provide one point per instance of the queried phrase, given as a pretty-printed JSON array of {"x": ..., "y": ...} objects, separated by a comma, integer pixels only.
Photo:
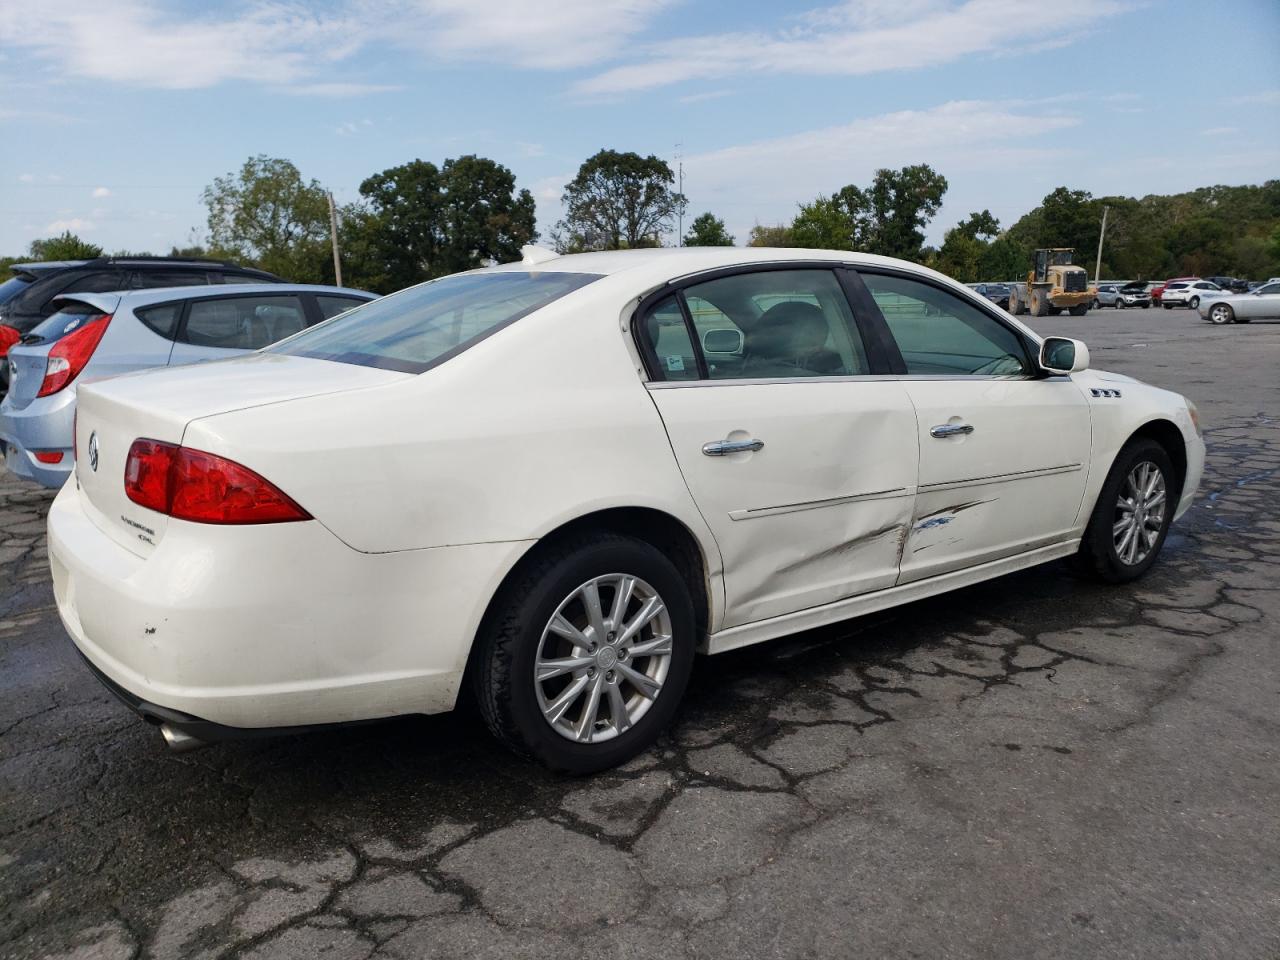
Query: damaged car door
[
  {"x": 801, "y": 460},
  {"x": 1004, "y": 450}
]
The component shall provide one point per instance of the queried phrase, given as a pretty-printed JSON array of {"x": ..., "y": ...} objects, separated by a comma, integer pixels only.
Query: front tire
[
  {"x": 586, "y": 653},
  {"x": 1221, "y": 313},
  {"x": 1132, "y": 515},
  {"x": 1120, "y": 304}
]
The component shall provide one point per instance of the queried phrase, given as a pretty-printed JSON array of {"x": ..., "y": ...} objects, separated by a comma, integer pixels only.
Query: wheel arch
[
  {"x": 1166, "y": 433},
  {"x": 657, "y": 528}
]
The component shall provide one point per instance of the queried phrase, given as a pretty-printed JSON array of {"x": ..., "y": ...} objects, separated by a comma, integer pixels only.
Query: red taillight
[
  {"x": 201, "y": 487},
  {"x": 70, "y": 354},
  {"x": 49, "y": 456},
  {"x": 8, "y": 337}
]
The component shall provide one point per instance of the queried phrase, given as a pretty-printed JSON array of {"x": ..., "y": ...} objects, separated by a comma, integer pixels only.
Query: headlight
[{"x": 1195, "y": 417}]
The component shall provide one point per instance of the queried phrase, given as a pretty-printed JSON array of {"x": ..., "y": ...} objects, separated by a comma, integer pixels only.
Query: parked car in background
[
  {"x": 93, "y": 335},
  {"x": 1262, "y": 303},
  {"x": 1123, "y": 295},
  {"x": 556, "y": 480},
  {"x": 1189, "y": 293},
  {"x": 1157, "y": 293},
  {"x": 997, "y": 293},
  {"x": 27, "y": 297},
  {"x": 1230, "y": 284}
]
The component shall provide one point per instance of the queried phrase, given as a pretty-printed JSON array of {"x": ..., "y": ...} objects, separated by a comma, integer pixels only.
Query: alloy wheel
[
  {"x": 1220, "y": 313},
  {"x": 603, "y": 658},
  {"x": 1139, "y": 515}
]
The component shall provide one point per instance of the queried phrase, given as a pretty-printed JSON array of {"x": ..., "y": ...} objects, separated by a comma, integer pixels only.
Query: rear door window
[
  {"x": 162, "y": 318},
  {"x": 243, "y": 323}
]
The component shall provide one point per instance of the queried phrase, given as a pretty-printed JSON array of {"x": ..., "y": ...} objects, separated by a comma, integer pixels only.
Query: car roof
[{"x": 658, "y": 265}]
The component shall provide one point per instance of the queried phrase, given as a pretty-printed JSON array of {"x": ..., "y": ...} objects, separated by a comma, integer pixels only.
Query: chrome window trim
[{"x": 851, "y": 378}]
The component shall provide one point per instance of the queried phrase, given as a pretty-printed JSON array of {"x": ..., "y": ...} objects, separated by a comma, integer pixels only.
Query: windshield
[
  {"x": 1060, "y": 258},
  {"x": 415, "y": 329},
  {"x": 12, "y": 287}
]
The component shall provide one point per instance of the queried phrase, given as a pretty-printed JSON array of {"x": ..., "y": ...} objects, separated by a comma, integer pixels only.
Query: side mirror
[{"x": 1062, "y": 355}]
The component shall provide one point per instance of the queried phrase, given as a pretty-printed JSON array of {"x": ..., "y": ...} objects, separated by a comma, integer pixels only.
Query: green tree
[
  {"x": 900, "y": 205},
  {"x": 66, "y": 246},
  {"x": 420, "y": 221},
  {"x": 708, "y": 230},
  {"x": 980, "y": 225},
  {"x": 775, "y": 236},
  {"x": 483, "y": 218},
  {"x": 617, "y": 201},
  {"x": 1003, "y": 259},
  {"x": 837, "y": 222},
  {"x": 267, "y": 214},
  {"x": 961, "y": 255}
]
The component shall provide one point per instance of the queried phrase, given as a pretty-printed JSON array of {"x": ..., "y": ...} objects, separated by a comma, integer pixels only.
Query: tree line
[{"x": 418, "y": 221}]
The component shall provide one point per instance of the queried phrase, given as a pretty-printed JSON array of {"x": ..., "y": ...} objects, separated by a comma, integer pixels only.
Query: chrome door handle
[
  {"x": 944, "y": 430},
  {"x": 719, "y": 448}
]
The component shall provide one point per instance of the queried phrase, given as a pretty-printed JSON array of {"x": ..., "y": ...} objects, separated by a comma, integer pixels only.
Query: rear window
[
  {"x": 12, "y": 287},
  {"x": 415, "y": 329},
  {"x": 70, "y": 318}
]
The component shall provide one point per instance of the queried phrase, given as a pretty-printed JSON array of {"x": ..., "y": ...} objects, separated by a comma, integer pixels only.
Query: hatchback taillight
[
  {"x": 69, "y": 355},
  {"x": 202, "y": 487},
  {"x": 8, "y": 337}
]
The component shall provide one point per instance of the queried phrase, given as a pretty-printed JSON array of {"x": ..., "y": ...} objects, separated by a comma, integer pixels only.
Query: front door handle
[
  {"x": 720, "y": 448},
  {"x": 944, "y": 430}
]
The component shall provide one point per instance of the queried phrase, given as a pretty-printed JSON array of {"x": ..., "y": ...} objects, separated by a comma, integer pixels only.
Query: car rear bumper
[
  {"x": 45, "y": 425},
  {"x": 260, "y": 628}
]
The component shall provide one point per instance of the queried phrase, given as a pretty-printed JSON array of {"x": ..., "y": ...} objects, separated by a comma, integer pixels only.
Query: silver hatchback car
[{"x": 98, "y": 335}]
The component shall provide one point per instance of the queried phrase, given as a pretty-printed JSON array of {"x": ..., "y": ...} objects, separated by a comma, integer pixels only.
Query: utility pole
[
  {"x": 333, "y": 237},
  {"x": 680, "y": 190},
  {"x": 1097, "y": 270}
]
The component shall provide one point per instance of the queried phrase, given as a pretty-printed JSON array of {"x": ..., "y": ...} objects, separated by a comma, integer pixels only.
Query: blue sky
[{"x": 114, "y": 114}]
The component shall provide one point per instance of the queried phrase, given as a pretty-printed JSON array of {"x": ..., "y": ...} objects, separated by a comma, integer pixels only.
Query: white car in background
[
  {"x": 1189, "y": 293},
  {"x": 1262, "y": 303},
  {"x": 557, "y": 480}
]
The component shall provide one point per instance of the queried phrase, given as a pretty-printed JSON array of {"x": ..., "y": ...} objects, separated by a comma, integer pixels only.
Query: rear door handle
[
  {"x": 944, "y": 430},
  {"x": 720, "y": 448}
]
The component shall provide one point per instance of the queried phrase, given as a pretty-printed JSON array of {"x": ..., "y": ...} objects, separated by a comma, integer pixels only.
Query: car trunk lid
[{"x": 158, "y": 405}]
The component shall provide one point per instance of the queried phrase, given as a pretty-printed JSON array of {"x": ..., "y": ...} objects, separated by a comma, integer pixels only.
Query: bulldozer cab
[{"x": 1051, "y": 257}]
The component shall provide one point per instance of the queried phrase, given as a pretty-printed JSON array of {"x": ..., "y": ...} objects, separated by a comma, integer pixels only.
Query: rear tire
[
  {"x": 1125, "y": 506},
  {"x": 1039, "y": 304},
  {"x": 1080, "y": 311},
  {"x": 1194, "y": 303},
  {"x": 1016, "y": 306},
  {"x": 612, "y": 717},
  {"x": 1120, "y": 304}
]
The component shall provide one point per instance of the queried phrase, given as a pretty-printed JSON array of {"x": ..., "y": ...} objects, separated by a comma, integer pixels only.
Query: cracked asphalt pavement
[{"x": 1034, "y": 767}]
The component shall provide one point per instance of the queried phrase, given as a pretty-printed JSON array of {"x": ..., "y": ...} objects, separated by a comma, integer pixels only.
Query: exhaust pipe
[{"x": 178, "y": 741}]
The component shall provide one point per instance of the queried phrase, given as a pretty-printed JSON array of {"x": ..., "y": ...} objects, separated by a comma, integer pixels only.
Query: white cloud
[
  {"x": 294, "y": 47},
  {"x": 853, "y": 38},
  {"x": 339, "y": 89},
  {"x": 1267, "y": 98},
  {"x": 74, "y": 224},
  {"x": 964, "y": 140},
  {"x": 27, "y": 177},
  {"x": 1219, "y": 131},
  {"x": 352, "y": 127},
  {"x": 709, "y": 95},
  {"x": 101, "y": 192}
]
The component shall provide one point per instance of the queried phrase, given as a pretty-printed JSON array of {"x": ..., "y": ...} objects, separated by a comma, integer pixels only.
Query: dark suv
[{"x": 26, "y": 298}]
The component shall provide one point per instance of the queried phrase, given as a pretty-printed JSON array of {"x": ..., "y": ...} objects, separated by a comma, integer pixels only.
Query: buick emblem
[{"x": 93, "y": 452}]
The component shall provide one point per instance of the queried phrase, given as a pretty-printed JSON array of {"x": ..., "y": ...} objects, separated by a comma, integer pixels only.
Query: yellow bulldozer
[{"x": 1053, "y": 284}]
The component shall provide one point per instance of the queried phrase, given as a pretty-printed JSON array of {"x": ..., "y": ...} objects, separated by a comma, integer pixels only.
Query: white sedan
[
  {"x": 1262, "y": 303},
  {"x": 555, "y": 481}
]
